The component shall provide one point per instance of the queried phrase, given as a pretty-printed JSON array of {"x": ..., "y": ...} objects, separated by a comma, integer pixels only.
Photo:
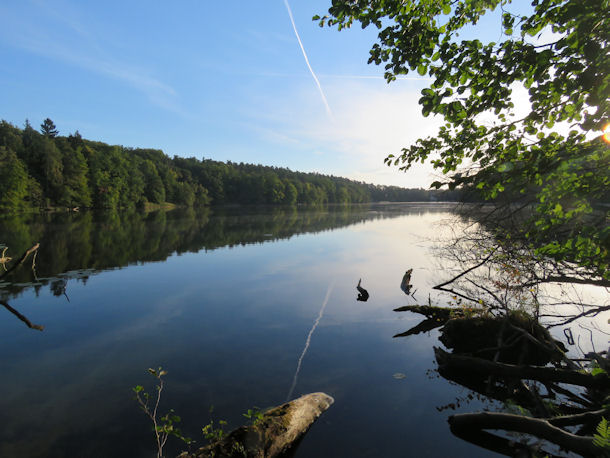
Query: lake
[{"x": 230, "y": 302}]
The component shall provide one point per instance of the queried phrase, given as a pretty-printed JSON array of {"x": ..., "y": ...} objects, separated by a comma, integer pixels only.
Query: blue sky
[{"x": 220, "y": 80}]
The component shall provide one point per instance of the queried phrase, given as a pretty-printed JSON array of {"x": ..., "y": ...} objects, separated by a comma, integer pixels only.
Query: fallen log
[
  {"x": 271, "y": 436},
  {"x": 468, "y": 364},
  {"x": 469, "y": 423}
]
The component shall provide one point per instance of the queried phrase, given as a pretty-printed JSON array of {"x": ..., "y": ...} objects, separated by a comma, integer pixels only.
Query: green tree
[
  {"x": 75, "y": 176},
  {"x": 14, "y": 179},
  {"x": 48, "y": 129},
  {"x": 154, "y": 190},
  {"x": 526, "y": 159},
  {"x": 45, "y": 164},
  {"x": 290, "y": 193}
]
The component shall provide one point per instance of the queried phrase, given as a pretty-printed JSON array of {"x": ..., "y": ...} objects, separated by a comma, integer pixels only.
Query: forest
[{"x": 41, "y": 169}]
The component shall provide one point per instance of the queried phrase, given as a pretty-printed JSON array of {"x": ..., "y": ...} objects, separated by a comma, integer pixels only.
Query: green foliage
[
  {"x": 596, "y": 369},
  {"x": 254, "y": 415},
  {"x": 565, "y": 176},
  {"x": 164, "y": 426},
  {"x": 602, "y": 437},
  {"x": 74, "y": 172},
  {"x": 513, "y": 407},
  {"x": 212, "y": 432},
  {"x": 14, "y": 179}
]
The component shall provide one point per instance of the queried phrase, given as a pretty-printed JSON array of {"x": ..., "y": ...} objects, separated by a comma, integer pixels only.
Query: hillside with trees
[{"x": 43, "y": 169}]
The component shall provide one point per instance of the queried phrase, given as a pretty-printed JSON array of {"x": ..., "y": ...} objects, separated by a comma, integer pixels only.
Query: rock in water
[{"x": 279, "y": 429}]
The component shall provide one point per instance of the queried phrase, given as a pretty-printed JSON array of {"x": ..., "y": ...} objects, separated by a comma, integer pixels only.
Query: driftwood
[
  {"x": 468, "y": 424},
  {"x": 272, "y": 436},
  {"x": 468, "y": 364}
]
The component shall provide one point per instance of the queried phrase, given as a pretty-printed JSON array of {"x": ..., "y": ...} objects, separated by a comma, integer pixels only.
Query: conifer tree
[{"x": 48, "y": 128}]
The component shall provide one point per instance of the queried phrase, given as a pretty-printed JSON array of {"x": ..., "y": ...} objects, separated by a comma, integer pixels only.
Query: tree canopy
[
  {"x": 552, "y": 158},
  {"x": 39, "y": 170}
]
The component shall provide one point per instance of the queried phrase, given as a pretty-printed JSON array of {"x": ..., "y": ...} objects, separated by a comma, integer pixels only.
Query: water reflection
[
  {"x": 78, "y": 245},
  {"x": 229, "y": 325},
  {"x": 515, "y": 361}
]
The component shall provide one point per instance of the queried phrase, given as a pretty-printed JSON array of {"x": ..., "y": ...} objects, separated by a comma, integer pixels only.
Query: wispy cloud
[
  {"x": 65, "y": 37},
  {"x": 370, "y": 120},
  {"x": 313, "y": 74}
]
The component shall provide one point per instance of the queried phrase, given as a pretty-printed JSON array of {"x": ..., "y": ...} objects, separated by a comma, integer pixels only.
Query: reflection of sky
[{"x": 229, "y": 326}]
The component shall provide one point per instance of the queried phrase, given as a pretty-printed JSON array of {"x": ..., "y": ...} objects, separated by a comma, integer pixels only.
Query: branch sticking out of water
[{"x": 21, "y": 260}]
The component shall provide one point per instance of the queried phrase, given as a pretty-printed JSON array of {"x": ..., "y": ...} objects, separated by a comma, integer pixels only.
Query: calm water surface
[{"x": 224, "y": 301}]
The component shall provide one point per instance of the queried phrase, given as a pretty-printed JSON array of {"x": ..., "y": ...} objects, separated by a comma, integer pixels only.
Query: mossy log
[{"x": 271, "y": 436}]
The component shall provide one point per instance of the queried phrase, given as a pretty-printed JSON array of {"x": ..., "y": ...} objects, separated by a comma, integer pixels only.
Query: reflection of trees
[{"x": 76, "y": 245}]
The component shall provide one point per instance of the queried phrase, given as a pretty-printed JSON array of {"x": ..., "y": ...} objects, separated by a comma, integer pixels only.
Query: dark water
[{"x": 224, "y": 301}]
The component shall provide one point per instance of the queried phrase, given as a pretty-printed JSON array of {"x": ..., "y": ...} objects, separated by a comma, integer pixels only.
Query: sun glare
[{"x": 606, "y": 132}]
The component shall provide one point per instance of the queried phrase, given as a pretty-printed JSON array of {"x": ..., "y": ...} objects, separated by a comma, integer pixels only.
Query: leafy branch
[{"x": 164, "y": 426}]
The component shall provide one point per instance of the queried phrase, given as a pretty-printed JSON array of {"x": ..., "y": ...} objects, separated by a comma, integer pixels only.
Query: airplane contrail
[
  {"x": 308, "y": 341},
  {"x": 294, "y": 27}
]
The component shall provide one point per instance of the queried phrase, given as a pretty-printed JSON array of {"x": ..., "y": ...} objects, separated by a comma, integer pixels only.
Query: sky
[{"x": 215, "y": 80}]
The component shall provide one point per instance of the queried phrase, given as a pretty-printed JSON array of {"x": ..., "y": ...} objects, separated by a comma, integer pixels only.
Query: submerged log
[
  {"x": 469, "y": 365},
  {"x": 429, "y": 311},
  {"x": 513, "y": 339},
  {"x": 274, "y": 434},
  {"x": 472, "y": 423},
  {"x": 435, "y": 317}
]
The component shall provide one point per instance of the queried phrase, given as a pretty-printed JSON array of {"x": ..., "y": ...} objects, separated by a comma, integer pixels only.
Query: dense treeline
[{"x": 44, "y": 169}]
